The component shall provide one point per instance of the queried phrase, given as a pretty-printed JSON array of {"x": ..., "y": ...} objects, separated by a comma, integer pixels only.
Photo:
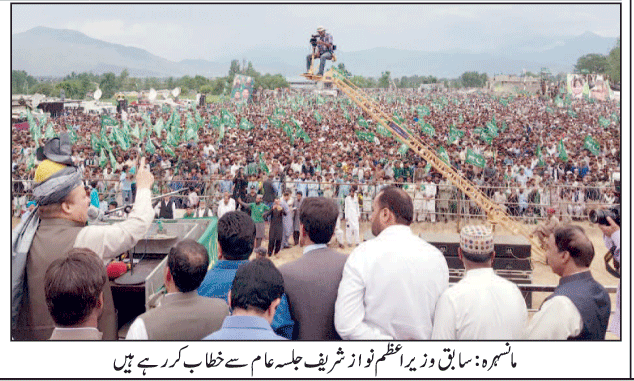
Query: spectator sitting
[
  {"x": 182, "y": 314},
  {"x": 255, "y": 293},
  {"x": 236, "y": 236},
  {"x": 74, "y": 295}
]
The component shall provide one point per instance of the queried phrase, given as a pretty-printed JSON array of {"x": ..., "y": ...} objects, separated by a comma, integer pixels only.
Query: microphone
[{"x": 93, "y": 213}]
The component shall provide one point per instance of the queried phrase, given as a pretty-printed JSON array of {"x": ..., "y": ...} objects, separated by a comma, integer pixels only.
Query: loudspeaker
[
  {"x": 516, "y": 247},
  {"x": 498, "y": 264}
]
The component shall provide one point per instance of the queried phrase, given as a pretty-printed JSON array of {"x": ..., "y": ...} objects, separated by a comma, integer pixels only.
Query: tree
[
  {"x": 592, "y": 63},
  {"x": 233, "y": 70},
  {"x": 384, "y": 80},
  {"x": 342, "y": 67},
  {"x": 121, "y": 79},
  {"x": 108, "y": 85},
  {"x": 614, "y": 63},
  {"x": 21, "y": 82},
  {"x": 473, "y": 79}
]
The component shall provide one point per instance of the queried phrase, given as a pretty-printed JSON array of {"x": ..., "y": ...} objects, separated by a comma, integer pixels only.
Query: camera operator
[
  {"x": 322, "y": 49},
  {"x": 612, "y": 238}
]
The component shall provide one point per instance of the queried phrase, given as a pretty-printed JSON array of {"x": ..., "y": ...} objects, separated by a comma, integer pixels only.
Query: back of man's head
[
  {"x": 256, "y": 285},
  {"x": 236, "y": 235},
  {"x": 319, "y": 217},
  {"x": 573, "y": 239},
  {"x": 72, "y": 286},
  {"x": 188, "y": 262},
  {"x": 398, "y": 202}
]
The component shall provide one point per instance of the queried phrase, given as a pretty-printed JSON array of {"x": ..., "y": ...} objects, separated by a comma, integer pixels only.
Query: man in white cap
[
  {"x": 483, "y": 305},
  {"x": 323, "y": 51},
  {"x": 58, "y": 225}
]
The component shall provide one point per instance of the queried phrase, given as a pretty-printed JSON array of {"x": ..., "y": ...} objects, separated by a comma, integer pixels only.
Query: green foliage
[
  {"x": 21, "y": 82},
  {"x": 384, "y": 80},
  {"x": 614, "y": 63},
  {"x": 108, "y": 85},
  {"x": 473, "y": 79},
  {"x": 592, "y": 63}
]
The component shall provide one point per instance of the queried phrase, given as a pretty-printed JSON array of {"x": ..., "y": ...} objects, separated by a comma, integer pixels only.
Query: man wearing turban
[{"x": 57, "y": 225}]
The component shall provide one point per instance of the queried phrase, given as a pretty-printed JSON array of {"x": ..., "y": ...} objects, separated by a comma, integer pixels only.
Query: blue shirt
[
  {"x": 217, "y": 284},
  {"x": 244, "y": 328},
  {"x": 94, "y": 198}
]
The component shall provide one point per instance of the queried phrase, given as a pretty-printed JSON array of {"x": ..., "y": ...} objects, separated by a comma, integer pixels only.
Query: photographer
[
  {"x": 612, "y": 238},
  {"x": 322, "y": 48}
]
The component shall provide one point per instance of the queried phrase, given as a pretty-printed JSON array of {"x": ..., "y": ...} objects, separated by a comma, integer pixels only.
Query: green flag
[
  {"x": 454, "y": 134},
  {"x": 214, "y": 120},
  {"x": 71, "y": 134},
  {"x": 113, "y": 162},
  {"x": 346, "y": 115},
  {"x": 563, "y": 155},
  {"x": 94, "y": 142},
  {"x": 227, "y": 118},
  {"x": 423, "y": 111},
  {"x": 119, "y": 139},
  {"x": 169, "y": 150},
  {"x": 191, "y": 135},
  {"x": 103, "y": 160},
  {"x": 50, "y": 133},
  {"x": 402, "y": 150},
  {"x": 106, "y": 120},
  {"x": 460, "y": 119},
  {"x": 136, "y": 133},
  {"x": 549, "y": 110},
  {"x": 475, "y": 159},
  {"x": 31, "y": 161},
  {"x": 245, "y": 124},
  {"x": 221, "y": 132},
  {"x": 572, "y": 114},
  {"x": 363, "y": 135},
  {"x": 382, "y": 130},
  {"x": 263, "y": 165},
  {"x": 362, "y": 122},
  {"x": 443, "y": 155},
  {"x": 592, "y": 145},
  {"x": 317, "y": 117},
  {"x": 149, "y": 146},
  {"x": 158, "y": 127},
  {"x": 538, "y": 152},
  {"x": 615, "y": 117},
  {"x": 427, "y": 128},
  {"x": 603, "y": 122}
]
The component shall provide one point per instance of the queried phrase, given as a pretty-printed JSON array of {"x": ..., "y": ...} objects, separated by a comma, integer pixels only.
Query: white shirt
[
  {"x": 224, "y": 208},
  {"x": 352, "y": 210},
  {"x": 111, "y": 240},
  {"x": 482, "y": 306},
  {"x": 389, "y": 288},
  {"x": 557, "y": 319}
]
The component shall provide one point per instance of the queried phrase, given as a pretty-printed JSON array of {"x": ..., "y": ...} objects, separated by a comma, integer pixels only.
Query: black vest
[
  {"x": 592, "y": 302},
  {"x": 166, "y": 209}
]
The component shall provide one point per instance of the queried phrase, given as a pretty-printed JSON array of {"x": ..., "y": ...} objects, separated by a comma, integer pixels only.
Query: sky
[{"x": 213, "y": 31}]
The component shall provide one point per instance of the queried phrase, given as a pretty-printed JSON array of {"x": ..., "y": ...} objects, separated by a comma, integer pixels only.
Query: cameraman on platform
[{"x": 322, "y": 48}]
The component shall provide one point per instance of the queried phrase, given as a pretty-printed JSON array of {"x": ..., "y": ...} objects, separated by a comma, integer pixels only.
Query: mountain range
[{"x": 43, "y": 51}]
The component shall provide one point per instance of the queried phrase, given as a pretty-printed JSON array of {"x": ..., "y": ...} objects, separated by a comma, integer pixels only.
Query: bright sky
[{"x": 211, "y": 31}]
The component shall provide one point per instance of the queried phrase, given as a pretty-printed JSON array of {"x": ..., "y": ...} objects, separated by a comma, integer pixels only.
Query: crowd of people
[
  {"x": 333, "y": 160},
  {"x": 304, "y": 187}
]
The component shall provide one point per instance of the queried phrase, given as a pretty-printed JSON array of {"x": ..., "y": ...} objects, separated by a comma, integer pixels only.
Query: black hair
[
  {"x": 236, "y": 235},
  {"x": 573, "y": 239},
  {"x": 256, "y": 285},
  {"x": 72, "y": 286},
  {"x": 319, "y": 217},
  {"x": 398, "y": 202},
  {"x": 188, "y": 262}
]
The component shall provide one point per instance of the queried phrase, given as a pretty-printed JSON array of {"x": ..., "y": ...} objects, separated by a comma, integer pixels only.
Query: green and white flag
[
  {"x": 158, "y": 126},
  {"x": 106, "y": 120},
  {"x": 103, "y": 160},
  {"x": 113, "y": 161},
  {"x": 460, "y": 119},
  {"x": 538, "y": 152},
  {"x": 317, "y": 117},
  {"x": 423, "y": 111},
  {"x": 149, "y": 146},
  {"x": 71, "y": 134},
  {"x": 169, "y": 150},
  {"x": 362, "y": 122},
  {"x": 572, "y": 114},
  {"x": 427, "y": 128},
  {"x": 402, "y": 150},
  {"x": 475, "y": 159},
  {"x": 346, "y": 115},
  {"x": 191, "y": 135},
  {"x": 245, "y": 124},
  {"x": 363, "y": 135},
  {"x": 50, "y": 133},
  {"x": 454, "y": 134},
  {"x": 94, "y": 142},
  {"x": 563, "y": 155},
  {"x": 136, "y": 132},
  {"x": 263, "y": 165},
  {"x": 603, "y": 122},
  {"x": 592, "y": 145},
  {"x": 221, "y": 132},
  {"x": 443, "y": 155},
  {"x": 382, "y": 130}
]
